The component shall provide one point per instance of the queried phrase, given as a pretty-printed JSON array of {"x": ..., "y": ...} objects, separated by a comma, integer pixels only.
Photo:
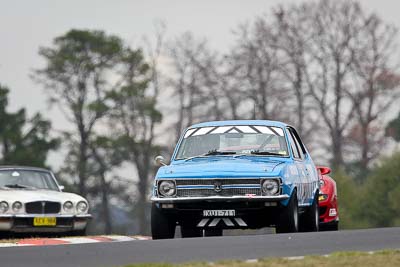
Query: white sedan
[{"x": 32, "y": 201}]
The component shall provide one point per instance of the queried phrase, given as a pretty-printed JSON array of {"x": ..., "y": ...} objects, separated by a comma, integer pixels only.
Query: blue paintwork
[{"x": 296, "y": 174}]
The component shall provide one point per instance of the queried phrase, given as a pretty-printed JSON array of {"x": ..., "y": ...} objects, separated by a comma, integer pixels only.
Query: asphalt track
[{"x": 200, "y": 249}]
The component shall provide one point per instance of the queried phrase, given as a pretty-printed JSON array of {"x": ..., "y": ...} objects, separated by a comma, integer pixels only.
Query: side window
[
  {"x": 299, "y": 144},
  {"x": 293, "y": 146}
]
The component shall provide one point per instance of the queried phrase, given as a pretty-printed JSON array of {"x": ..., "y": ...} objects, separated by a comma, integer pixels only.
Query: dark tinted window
[{"x": 293, "y": 146}]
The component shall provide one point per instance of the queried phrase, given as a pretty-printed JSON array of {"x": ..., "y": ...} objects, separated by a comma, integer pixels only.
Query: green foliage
[
  {"x": 373, "y": 203},
  {"x": 393, "y": 128},
  {"x": 348, "y": 200},
  {"x": 24, "y": 141},
  {"x": 381, "y": 194},
  {"x": 104, "y": 88},
  {"x": 77, "y": 74}
]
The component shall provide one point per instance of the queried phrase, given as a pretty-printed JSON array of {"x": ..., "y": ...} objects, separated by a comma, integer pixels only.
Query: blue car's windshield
[{"x": 231, "y": 140}]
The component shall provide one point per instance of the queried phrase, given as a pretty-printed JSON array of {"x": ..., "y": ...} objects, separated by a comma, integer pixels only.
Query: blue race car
[{"x": 236, "y": 175}]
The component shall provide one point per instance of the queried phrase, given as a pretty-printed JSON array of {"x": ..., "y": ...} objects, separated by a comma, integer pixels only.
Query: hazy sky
[{"x": 26, "y": 25}]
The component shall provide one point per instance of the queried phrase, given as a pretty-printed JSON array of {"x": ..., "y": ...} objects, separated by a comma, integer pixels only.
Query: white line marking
[
  {"x": 228, "y": 222},
  {"x": 78, "y": 240},
  {"x": 251, "y": 261},
  {"x": 214, "y": 222},
  {"x": 202, "y": 223},
  {"x": 8, "y": 245},
  {"x": 240, "y": 222},
  {"x": 295, "y": 258},
  {"x": 121, "y": 238}
]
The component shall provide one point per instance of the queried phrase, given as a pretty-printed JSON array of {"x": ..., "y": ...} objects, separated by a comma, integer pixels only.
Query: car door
[
  {"x": 302, "y": 194},
  {"x": 307, "y": 167}
]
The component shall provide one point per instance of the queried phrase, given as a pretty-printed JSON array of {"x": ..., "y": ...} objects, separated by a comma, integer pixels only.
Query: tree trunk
[
  {"x": 364, "y": 147},
  {"x": 337, "y": 161},
  {"x": 82, "y": 165},
  {"x": 105, "y": 205},
  {"x": 143, "y": 186}
]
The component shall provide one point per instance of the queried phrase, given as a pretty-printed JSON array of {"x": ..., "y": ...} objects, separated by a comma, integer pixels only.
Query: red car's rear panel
[{"x": 328, "y": 206}]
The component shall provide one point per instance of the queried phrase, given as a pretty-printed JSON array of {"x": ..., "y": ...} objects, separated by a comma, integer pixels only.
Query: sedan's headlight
[
  {"x": 270, "y": 187},
  {"x": 17, "y": 206},
  {"x": 68, "y": 206},
  {"x": 3, "y": 207},
  {"x": 81, "y": 207},
  {"x": 167, "y": 188}
]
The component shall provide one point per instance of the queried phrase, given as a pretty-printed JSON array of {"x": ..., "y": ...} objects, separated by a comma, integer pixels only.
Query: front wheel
[
  {"x": 334, "y": 226},
  {"x": 188, "y": 231},
  {"x": 289, "y": 218},
  {"x": 310, "y": 219},
  {"x": 162, "y": 225},
  {"x": 78, "y": 232}
]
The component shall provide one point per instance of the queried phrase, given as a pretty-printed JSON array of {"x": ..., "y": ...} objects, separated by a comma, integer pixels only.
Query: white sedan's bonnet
[{"x": 38, "y": 195}]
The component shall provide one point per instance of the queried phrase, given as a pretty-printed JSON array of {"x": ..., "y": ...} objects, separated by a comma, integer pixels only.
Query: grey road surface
[{"x": 202, "y": 249}]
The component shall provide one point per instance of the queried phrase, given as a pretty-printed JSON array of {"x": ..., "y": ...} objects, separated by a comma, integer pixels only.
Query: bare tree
[
  {"x": 195, "y": 81},
  {"x": 133, "y": 118},
  {"x": 291, "y": 35},
  {"x": 331, "y": 48},
  {"x": 255, "y": 69},
  {"x": 376, "y": 85}
]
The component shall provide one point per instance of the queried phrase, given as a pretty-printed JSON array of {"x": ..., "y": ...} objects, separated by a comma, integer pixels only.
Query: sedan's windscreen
[
  {"x": 233, "y": 140},
  {"x": 27, "y": 179}
]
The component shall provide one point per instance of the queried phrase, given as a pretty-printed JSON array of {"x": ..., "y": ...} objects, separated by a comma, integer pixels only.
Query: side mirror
[
  {"x": 61, "y": 187},
  {"x": 324, "y": 170},
  {"x": 160, "y": 161}
]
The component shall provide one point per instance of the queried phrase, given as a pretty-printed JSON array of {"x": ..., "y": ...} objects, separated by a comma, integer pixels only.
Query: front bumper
[
  {"x": 24, "y": 223},
  {"x": 221, "y": 199}
]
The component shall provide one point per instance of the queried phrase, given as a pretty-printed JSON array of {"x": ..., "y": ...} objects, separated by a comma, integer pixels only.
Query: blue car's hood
[{"x": 222, "y": 167}]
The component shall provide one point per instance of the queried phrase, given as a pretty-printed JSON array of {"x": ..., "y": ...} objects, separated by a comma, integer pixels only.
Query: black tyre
[
  {"x": 213, "y": 232},
  {"x": 162, "y": 225},
  {"x": 310, "y": 219},
  {"x": 5, "y": 235},
  {"x": 288, "y": 221},
  {"x": 190, "y": 230},
  {"x": 334, "y": 226},
  {"x": 78, "y": 233}
]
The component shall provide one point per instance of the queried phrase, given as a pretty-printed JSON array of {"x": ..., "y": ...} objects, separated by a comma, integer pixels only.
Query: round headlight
[
  {"x": 3, "y": 207},
  {"x": 167, "y": 188},
  {"x": 81, "y": 207},
  {"x": 68, "y": 206},
  {"x": 17, "y": 206},
  {"x": 270, "y": 187}
]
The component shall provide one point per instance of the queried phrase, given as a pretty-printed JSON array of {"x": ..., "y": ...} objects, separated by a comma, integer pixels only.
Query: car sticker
[{"x": 234, "y": 129}]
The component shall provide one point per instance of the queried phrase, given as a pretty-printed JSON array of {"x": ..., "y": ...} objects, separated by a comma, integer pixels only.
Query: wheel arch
[{"x": 290, "y": 190}]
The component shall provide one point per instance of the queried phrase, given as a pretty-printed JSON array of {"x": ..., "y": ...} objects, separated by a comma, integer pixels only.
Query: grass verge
[{"x": 386, "y": 258}]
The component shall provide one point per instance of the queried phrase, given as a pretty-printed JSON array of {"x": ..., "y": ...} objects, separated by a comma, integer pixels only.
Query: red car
[{"x": 328, "y": 207}]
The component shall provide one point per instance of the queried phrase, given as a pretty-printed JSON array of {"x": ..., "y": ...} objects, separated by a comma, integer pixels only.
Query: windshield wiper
[
  {"x": 267, "y": 153},
  {"x": 218, "y": 152},
  {"x": 18, "y": 186},
  {"x": 212, "y": 153}
]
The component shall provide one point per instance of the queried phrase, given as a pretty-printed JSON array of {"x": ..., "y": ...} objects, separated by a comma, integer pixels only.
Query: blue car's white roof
[{"x": 240, "y": 122}]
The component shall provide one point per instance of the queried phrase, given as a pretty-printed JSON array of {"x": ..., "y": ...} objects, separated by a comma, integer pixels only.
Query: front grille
[
  {"x": 211, "y": 182},
  {"x": 226, "y": 192},
  {"x": 42, "y": 207},
  {"x": 228, "y": 186}
]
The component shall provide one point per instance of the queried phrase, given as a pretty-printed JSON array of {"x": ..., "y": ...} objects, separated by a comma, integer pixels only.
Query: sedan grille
[
  {"x": 218, "y": 187},
  {"x": 42, "y": 207},
  {"x": 211, "y": 182},
  {"x": 228, "y": 192}
]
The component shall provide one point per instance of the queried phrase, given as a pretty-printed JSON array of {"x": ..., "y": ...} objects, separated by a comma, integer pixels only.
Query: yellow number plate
[{"x": 44, "y": 221}]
